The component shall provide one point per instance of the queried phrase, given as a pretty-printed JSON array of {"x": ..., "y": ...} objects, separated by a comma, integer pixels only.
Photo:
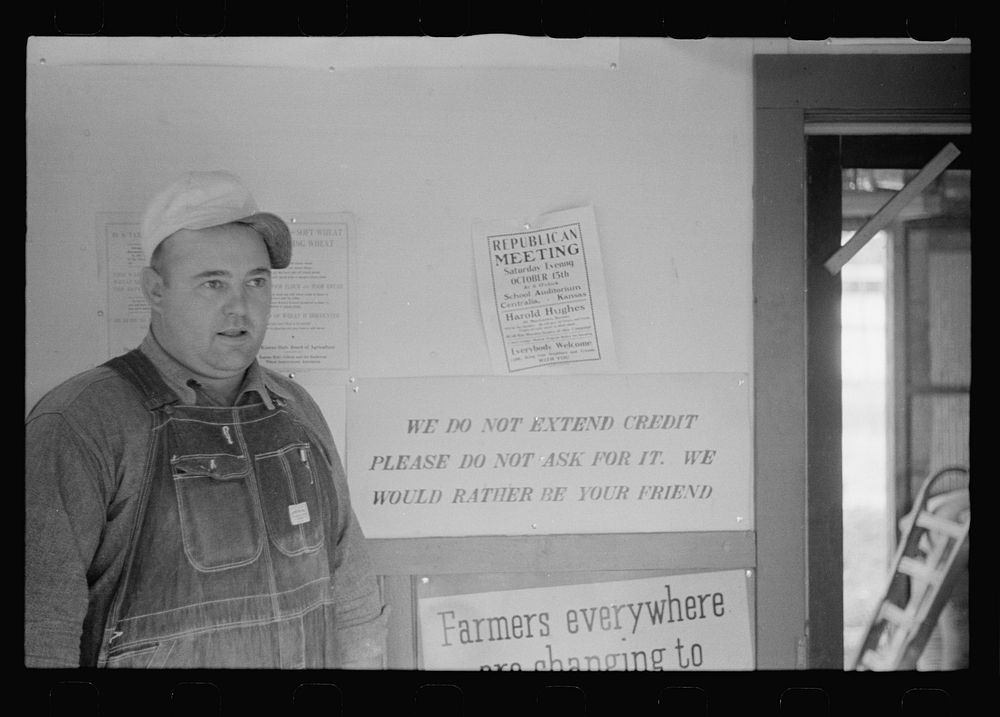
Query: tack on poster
[
  {"x": 688, "y": 622},
  {"x": 309, "y": 326},
  {"x": 542, "y": 294}
]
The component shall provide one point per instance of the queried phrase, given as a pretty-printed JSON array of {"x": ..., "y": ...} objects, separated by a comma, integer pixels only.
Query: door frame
[{"x": 798, "y": 536}]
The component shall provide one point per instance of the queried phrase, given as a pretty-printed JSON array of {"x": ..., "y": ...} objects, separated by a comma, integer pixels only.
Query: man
[{"x": 185, "y": 506}]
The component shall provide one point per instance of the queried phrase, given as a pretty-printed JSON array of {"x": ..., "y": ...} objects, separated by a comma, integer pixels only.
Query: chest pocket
[
  {"x": 291, "y": 498},
  {"x": 216, "y": 511}
]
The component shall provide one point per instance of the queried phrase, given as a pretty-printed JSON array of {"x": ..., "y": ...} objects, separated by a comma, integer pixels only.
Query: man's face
[{"x": 211, "y": 298}]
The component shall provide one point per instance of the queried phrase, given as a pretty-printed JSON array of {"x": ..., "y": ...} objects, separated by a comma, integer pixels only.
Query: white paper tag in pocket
[{"x": 299, "y": 513}]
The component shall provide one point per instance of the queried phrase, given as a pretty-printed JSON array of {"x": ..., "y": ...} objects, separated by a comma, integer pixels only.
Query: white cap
[{"x": 199, "y": 200}]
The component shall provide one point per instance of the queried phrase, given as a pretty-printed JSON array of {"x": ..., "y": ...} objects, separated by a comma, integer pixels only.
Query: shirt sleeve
[
  {"x": 361, "y": 613},
  {"x": 64, "y": 512}
]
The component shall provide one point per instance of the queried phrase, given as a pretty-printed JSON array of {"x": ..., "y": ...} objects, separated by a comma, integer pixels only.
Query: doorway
[
  {"x": 800, "y": 618},
  {"x": 890, "y": 358}
]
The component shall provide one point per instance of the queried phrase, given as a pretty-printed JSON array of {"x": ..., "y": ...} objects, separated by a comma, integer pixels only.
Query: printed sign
[
  {"x": 542, "y": 294},
  {"x": 524, "y": 455},
  {"x": 127, "y": 314},
  {"x": 309, "y": 308},
  {"x": 698, "y": 621}
]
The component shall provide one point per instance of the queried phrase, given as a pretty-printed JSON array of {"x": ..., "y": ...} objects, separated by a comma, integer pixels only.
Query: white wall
[
  {"x": 417, "y": 137},
  {"x": 658, "y": 141}
]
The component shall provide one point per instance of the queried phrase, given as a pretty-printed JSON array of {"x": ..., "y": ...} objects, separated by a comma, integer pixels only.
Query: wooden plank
[
  {"x": 892, "y": 208},
  {"x": 556, "y": 553},
  {"x": 862, "y": 128}
]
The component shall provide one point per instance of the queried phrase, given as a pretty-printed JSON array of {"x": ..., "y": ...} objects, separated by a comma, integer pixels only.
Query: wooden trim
[
  {"x": 857, "y": 128},
  {"x": 779, "y": 386},
  {"x": 824, "y": 406},
  {"x": 401, "y": 648},
  {"x": 899, "y": 86},
  {"x": 556, "y": 553}
]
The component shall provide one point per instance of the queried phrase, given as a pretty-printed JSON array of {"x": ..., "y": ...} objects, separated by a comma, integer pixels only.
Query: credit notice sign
[
  {"x": 528, "y": 455},
  {"x": 698, "y": 621}
]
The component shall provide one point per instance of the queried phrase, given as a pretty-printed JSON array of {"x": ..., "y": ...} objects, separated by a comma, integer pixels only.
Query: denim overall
[{"x": 228, "y": 564}]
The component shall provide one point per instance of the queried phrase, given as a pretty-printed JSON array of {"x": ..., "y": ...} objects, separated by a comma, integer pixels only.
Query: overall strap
[
  {"x": 136, "y": 367},
  {"x": 139, "y": 371}
]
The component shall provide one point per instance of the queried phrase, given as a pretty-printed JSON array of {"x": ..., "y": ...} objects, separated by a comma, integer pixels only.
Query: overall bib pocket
[
  {"x": 290, "y": 498},
  {"x": 215, "y": 504}
]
